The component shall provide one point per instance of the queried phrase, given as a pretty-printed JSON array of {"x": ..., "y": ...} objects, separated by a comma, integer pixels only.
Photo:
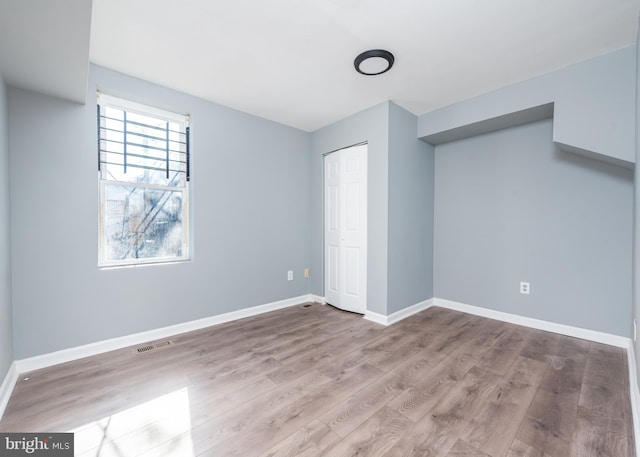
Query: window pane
[
  {"x": 143, "y": 216},
  {"x": 142, "y": 223}
]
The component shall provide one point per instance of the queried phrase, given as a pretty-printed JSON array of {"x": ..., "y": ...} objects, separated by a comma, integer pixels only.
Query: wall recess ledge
[
  {"x": 525, "y": 116},
  {"x": 589, "y": 102}
]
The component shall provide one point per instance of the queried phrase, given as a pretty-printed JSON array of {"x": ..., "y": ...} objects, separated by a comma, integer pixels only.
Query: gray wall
[
  {"x": 372, "y": 126},
  {"x": 411, "y": 187},
  {"x": 250, "y": 220},
  {"x": 6, "y": 324},
  {"x": 511, "y": 207},
  {"x": 594, "y": 108}
]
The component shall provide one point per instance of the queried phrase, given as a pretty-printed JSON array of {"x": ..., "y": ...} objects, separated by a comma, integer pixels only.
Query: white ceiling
[{"x": 292, "y": 60}]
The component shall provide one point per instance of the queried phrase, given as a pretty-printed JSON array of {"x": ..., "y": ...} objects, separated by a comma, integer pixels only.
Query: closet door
[{"x": 345, "y": 231}]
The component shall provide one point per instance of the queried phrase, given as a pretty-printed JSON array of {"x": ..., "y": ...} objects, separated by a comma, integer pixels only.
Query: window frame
[{"x": 146, "y": 110}]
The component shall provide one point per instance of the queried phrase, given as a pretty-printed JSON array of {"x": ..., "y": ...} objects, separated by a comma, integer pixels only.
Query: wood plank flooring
[{"x": 315, "y": 381}]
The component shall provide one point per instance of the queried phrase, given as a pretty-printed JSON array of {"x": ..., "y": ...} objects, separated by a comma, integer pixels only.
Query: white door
[{"x": 345, "y": 228}]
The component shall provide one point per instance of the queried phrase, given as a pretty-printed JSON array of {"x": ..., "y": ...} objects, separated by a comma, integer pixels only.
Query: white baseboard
[
  {"x": 577, "y": 332},
  {"x": 398, "y": 315},
  {"x": 634, "y": 394},
  {"x": 66, "y": 355},
  {"x": 410, "y": 311},
  {"x": 376, "y": 317},
  {"x": 318, "y": 299},
  {"x": 6, "y": 388}
]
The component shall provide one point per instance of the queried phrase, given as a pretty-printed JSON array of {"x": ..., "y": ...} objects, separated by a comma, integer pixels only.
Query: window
[{"x": 144, "y": 184}]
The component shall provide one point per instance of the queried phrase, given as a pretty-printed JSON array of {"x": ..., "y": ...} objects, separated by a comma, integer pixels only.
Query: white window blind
[{"x": 134, "y": 138}]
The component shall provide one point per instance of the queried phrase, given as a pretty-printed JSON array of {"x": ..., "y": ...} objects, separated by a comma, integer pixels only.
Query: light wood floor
[{"x": 310, "y": 381}]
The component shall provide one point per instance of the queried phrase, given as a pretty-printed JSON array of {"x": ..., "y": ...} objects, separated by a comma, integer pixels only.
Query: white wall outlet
[
  {"x": 306, "y": 272},
  {"x": 289, "y": 275},
  {"x": 525, "y": 288}
]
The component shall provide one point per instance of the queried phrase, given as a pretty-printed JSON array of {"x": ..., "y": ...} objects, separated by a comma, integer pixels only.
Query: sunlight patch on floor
[{"x": 164, "y": 421}]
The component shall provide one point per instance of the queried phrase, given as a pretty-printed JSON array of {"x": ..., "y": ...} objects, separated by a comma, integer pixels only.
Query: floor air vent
[{"x": 152, "y": 347}]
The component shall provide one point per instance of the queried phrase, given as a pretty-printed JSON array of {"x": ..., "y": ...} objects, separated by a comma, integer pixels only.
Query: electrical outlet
[
  {"x": 306, "y": 272},
  {"x": 289, "y": 275},
  {"x": 525, "y": 288}
]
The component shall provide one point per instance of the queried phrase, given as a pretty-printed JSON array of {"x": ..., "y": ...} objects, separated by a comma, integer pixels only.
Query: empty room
[{"x": 322, "y": 228}]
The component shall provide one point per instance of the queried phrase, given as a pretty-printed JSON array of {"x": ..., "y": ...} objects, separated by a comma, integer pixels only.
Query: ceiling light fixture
[{"x": 374, "y": 62}]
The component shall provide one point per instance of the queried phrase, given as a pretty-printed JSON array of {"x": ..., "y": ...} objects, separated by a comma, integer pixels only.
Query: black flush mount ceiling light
[{"x": 374, "y": 62}]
